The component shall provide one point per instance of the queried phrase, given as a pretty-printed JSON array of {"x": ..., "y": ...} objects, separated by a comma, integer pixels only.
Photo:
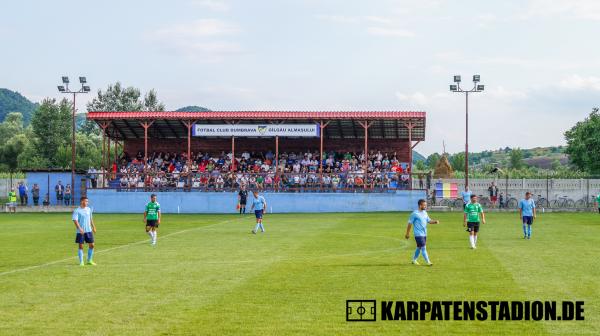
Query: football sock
[
  {"x": 472, "y": 240},
  {"x": 261, "y": 227},
  {"x": 528, "y": 230},
  {"x": 90, "y": 253},
  {"x": 475, "y": 239},
  {"x": 256, "y": 227},
  {"x": 424, "y": 253},
  {"x": 80, "y": 255},
  {"x": 149, "y": 234},
  {"x": 417, "y": 251},
  {"x": 525, "y": 229}
]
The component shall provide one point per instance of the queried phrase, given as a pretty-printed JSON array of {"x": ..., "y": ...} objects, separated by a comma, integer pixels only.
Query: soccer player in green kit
[
  {"x": 152, "y": 218},
  {"x": 473, "y": 211}
]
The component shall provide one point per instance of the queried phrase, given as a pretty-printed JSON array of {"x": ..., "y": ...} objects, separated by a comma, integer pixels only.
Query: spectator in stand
[
  {"x": 59, "y": 189},
  {"x": 23, "y": 193},
  {"x": 35, "y": 194}
]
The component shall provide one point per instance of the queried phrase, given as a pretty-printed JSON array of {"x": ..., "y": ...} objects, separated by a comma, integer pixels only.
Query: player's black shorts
[
  {"x": 528, "y": 220},
  {"x": 421, "y": 241},
  {"x": 87, "y": 237},
  {"x": 473, "y": 226},
  {"x": 258, "y": 214},
  {"x": 152, "y": 222},
  {"x": 243, "y": 201}
]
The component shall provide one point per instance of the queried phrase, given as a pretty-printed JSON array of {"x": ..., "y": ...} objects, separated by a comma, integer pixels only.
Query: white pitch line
[{"x": 109, "y": 249}]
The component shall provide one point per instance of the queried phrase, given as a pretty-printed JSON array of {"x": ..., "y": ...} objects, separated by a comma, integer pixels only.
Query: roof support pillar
[
  {"x": 366, "y": 124},
  {"x": 322, "y": 126},
  {"x": 410, "y": 126},
  {"x": 146, "y": 125}
]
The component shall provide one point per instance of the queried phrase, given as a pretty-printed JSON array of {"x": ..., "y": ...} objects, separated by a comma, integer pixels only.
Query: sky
[{"x": 538, "y": 59}]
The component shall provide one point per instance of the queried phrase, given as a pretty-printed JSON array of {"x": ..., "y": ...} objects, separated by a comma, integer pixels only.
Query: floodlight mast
[
  {"x": 476, "y": 88},
  {"x": 65, "y": 89}
]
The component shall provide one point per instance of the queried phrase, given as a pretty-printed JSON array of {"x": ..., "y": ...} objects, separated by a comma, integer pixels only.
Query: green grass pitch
[{"x": 209, "y": 276}]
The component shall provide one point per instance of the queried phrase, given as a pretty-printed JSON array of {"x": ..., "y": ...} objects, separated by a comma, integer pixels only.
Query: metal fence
[
  {"x": 548, "y": 193},
  {"x": 277, "y": 182}
]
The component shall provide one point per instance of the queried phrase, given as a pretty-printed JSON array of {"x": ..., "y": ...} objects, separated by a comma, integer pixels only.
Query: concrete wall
[
  {"x": 575, "y": 189},
  {"x": 5, "y": 186},
  {"x": 112, "y": 201}
]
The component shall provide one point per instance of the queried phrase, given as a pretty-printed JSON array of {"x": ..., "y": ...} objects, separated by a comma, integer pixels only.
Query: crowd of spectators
[{"x": 261, "y": 170}]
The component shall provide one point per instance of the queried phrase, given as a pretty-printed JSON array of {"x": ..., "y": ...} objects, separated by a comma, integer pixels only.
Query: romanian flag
[{"x": 446, "y": 190}]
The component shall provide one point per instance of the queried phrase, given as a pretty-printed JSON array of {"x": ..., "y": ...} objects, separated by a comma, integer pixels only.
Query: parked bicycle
[
  {"x": 585, "y": 202},
  {"x": 562, "y": 202},
  {"x": 485, "y": 201},
  {"x": 541, "y": 202},
  {"x": 511, "y": 202}
]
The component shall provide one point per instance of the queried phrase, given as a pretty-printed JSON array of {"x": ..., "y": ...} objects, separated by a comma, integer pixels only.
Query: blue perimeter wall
[
  {"x": 112, "y": 201},
  {"x": 41, "y": 178}
]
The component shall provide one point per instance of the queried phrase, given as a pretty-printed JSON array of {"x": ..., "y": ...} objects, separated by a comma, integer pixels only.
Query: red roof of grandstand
[
  {"x": 342, "y": 124},
  {"x": 257, "y": 114}
]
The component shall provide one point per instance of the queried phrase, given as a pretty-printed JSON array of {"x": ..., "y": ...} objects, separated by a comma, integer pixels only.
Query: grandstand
[{"x": 278, "y": 151}]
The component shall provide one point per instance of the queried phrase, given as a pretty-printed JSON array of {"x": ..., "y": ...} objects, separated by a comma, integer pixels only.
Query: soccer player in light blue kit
[
  {"x": 84, "y": 223},
  {"x": 527, "y": 214},
  {"x": 418, "y": 220},
  {"x": 466, "y": 197},
  {"x": 259, "y": 205}
]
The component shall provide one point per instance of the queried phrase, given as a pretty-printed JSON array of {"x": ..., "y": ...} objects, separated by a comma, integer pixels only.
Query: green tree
[
  {"x": 432, "y": 160},
  {"x": 420, "y": 165},
  {"x": 51, "y": 126},
  {"x": 516, "y": 158},
  {"x": 10, "y": 151},
  {"x": 457, "y": 161},
  {"x": 12, "y": 126},
  {"x": 117, "y": 98},
  {"x": 151, "y": 102},
  {"x": 583, "y": 143}
]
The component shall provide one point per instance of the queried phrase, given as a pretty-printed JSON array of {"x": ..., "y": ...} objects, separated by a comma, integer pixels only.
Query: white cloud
[
  {"x": 198, "y": 28},
  {"x": 338, "y": 18},
  {"x": 394, "y": 32},
  {"x": 500, "y": 92},
  {"x": 379, "y": 19},
  {"x": 199, "y": 40},
  {"x": 214, "y": 5},
  {"x": 576, "y": 9},
  {"x": 375, "y": 25},
  {"x": 417, "y": 99},
  {"x": 576, "y": 82}
]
